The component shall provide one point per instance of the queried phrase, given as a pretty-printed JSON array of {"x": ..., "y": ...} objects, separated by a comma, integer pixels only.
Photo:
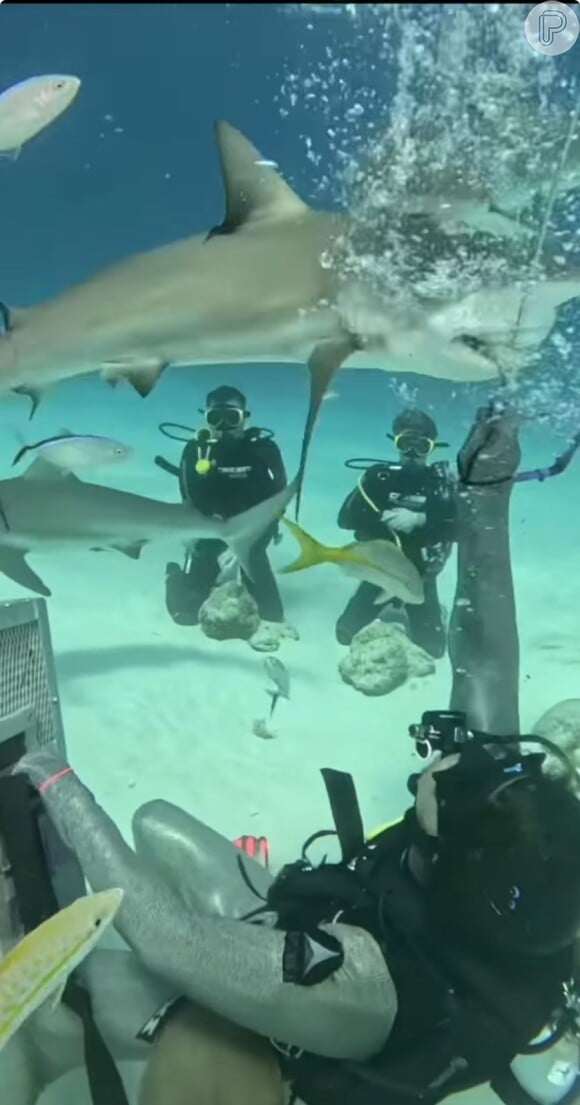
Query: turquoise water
[{"x": 152, "y": 709}]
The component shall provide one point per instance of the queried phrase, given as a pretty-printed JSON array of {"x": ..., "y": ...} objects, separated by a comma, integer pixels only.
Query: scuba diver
[
  {"x": 413, "y": 504},
  {"x": 416, "y": 505},
  {"x": 227, "y": 468},
  {"x": 424, "y": 962},
  {"x": 436, "y": 955}
]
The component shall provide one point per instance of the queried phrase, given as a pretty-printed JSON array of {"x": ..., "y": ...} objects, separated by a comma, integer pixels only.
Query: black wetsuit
[
  {"x": 426, "y": 490},
  {"x": 245, "y": 470}
]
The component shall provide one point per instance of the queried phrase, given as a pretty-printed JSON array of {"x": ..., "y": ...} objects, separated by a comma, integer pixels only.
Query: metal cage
[
  {"x": 30, "y": 719},
  {"x": 27, "y": 673}
]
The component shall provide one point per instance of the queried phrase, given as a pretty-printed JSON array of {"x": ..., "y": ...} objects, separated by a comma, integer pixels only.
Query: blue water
[{"x": 152, "y": 710}]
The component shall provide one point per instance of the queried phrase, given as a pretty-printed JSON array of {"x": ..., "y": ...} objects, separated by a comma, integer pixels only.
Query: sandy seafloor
[{"x": 155, "y": 710}]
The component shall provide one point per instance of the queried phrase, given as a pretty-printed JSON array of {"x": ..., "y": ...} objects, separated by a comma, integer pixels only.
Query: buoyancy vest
[{"x": 462, "y": 1016}]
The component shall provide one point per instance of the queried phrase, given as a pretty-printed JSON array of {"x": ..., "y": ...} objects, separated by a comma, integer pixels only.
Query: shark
[
  {"x": 259, "y": 288},
  {"x": 48, "y": 508}
]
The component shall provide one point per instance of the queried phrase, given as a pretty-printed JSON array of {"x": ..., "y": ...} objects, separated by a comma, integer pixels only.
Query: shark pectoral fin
[
  {"x": 254, "y": 190},
  {"x": 11, "y": 155},
  {"x": 13, "y": 564},
  {"x": 324, "y": 362},
  {"x": 34, "y": 394},
  {"x": 243, "y": 530},
  {"x": 133, "y": 550},
  {"x": 142, "y": 375},
  {"x": 311, "y": 551},
  {"x": 42, "y": 470}
]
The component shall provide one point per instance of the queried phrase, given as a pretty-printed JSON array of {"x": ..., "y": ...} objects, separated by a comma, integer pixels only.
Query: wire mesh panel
[
  {"x": 27, "y": 674},
  {"x": 30, "y": 719}
]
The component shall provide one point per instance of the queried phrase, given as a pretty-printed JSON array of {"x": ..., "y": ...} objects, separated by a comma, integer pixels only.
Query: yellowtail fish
[
  {"x": 378, "y": 562},
  {"x": 40, "y": 964},
  {"x": 29, "y": 106}
]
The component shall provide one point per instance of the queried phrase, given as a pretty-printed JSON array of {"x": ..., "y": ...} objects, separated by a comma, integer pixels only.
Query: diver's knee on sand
[
  {"x": 198, "y": 862},
  {"x": 182, "y": 599},
  {"x": 201, "y": 1058}
]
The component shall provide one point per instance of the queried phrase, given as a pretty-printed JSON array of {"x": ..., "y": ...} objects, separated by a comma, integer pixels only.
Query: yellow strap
[
  {"x": 383, "y": 828},
  {"x": 367, "y": 497},
  {"x": 374, "y": 507}
]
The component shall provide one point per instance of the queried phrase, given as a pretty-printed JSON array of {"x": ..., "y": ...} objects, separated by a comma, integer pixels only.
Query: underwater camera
[
  {"x": 442, "y": 731},
  {"x": 447, "y": 732}
]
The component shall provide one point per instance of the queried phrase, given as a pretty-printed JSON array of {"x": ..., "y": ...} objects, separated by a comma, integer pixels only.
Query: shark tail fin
[{"x": 243, "y": 530}]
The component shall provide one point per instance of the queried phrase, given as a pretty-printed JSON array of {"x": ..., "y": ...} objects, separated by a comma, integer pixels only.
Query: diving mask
[
  {"x": 224, "y": 418},
  {"x": 412, "y": 444}
]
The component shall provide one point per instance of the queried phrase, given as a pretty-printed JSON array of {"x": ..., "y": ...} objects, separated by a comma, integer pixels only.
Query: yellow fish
[
  {"x": 40, "y": 964},
  {"x": 378, "y": 562}
]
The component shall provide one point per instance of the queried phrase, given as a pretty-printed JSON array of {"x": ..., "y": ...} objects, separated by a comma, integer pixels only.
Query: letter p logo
[
  {"x": 552, "y": 27},
  {"x": 551, "y": 23}
]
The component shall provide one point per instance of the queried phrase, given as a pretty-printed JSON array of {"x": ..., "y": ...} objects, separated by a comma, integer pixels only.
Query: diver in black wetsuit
[
  {"x": 227, "y": 468},
  {"x": 414, "y": 504}
]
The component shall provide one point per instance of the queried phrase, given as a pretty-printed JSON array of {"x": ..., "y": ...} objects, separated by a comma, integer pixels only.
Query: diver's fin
[
  {"x": 256, "y": 847},
  {"x": 311, "y": 551},
  {"x": 142, "y": 375},
  {"x": 254, "y": 190},
  {"x": 243, "y": 530},
  {"x": 324, "y": 362},
  {"x": 34, "y": 394},
  {"x": 13, "y": 564}
]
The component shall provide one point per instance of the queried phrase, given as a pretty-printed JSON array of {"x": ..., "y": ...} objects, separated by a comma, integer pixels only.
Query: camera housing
[{"x": 443, "y": 731}]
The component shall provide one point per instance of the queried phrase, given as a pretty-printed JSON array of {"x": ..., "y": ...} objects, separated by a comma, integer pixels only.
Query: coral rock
[
  {"x": 229, "y": 613},
  {"x": 268, "y": 636},
  {"x": 382, "y": 658}
]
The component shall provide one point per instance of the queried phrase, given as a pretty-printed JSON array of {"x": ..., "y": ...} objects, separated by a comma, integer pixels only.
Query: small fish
[
  {"x": 276, "y": 671},
  {"x": 378, "y": 562},
  {"x": 267, "y": 164},
  {"x": 330, "y": 395},
  {"x": 73, "y": 451},
  {"x": 28, "y": 107},
  {"x": 39, "y": 966}
]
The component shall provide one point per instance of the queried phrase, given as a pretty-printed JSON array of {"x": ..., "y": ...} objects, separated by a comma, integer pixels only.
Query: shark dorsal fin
[
  {"x": 254, "y": 190},
  {"x": 41, "y": 470}
]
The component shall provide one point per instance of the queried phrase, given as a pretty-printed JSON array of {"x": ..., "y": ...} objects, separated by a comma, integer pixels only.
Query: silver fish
[
  {"x": 29, "y": 106},
  {"x": 276, "y": 671},
  {"x": 73, "y": 451}
]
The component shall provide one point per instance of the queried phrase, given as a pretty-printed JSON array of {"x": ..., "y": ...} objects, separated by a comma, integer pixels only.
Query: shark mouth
[{"x": 477, "y": 345}]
